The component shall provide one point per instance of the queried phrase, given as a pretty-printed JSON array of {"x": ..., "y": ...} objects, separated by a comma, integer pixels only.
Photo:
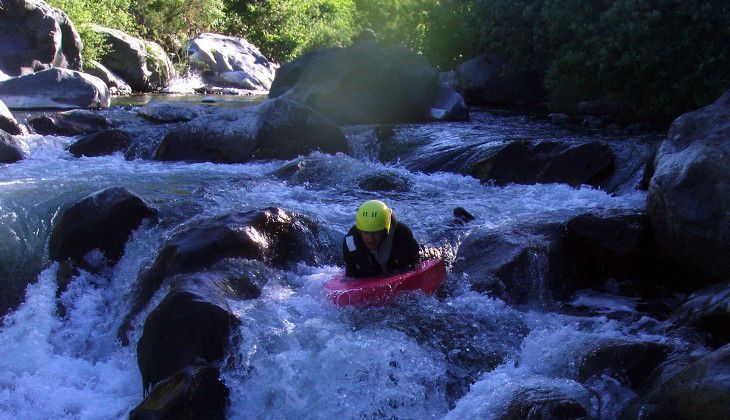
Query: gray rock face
[
  {"x": 367, "y": 83},
  {"x": 8, "y": 122},
  {"x": 275, "y": 129},
  {"x": 230, "y": 62},
  {"x": 34, "y": 36},
  {"x": 55, "y": 88},
  {"x": 69, "y": 123},
  {"x": 116, "y": 85},
  {"x": 487, "y": 79},
  {"x": 143, "y": 65},
  {"x": 700, "y": 390},
  {"x": 689, "y": 194}
]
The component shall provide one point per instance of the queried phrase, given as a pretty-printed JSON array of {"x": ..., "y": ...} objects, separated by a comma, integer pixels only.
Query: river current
[{"x": 297, "y": 355}]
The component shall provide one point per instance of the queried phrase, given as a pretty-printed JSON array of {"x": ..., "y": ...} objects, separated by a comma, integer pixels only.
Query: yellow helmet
[{"x": 373, "y": 216}]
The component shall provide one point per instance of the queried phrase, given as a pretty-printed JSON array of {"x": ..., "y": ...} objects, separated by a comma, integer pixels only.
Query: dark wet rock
[
  {"x": 69, "y": 123},
  {"x": 35, "y": 36},
  {"x": 367, "y": 83},
  {"x": 275, "y": 129},
  {"x": 272, "y": 235},
  {"x": 700, "y": 390},
  {"x": 462, "y": 215},
  {"x": 689, "y": 194},
  {"x": 708, "y": 310},
  {"x": 560, "y": 119},
  {"x": 384, "y": 181},
  {"x": 102, "y": 220},
  {"x": 599, "y": 108},
  {"x": 629, "y": 362},
  {"x": 101, "y": 143},
  {"x": 488, "y": 79},
  {"x": 528, "y": 162},
  {"x": 55, "y": 88},
  {"x": 230, "y": 62},
  {"x": 192, "y": 324},
  {"x": 593, "y": 122},
  {"x": 144, "y": 65},
  {"x": 8, "y": 122},
  {"x": 9, "y": 152},
  {"x": 165, "y": 112},
  {"x": 543, "y": 404},
  {"x": 194, "y": 392},
  {"x": 116, "y": 85}
]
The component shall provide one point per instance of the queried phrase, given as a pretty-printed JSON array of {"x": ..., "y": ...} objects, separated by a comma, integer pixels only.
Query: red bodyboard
[{"x": 380, "y": 290}]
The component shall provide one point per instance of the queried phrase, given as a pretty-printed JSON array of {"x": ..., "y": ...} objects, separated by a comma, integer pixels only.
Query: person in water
[{"x": 378, "y": 244}]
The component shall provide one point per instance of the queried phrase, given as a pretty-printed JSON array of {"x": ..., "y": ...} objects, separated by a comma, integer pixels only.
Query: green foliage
[
  {"x": 395, "y": 21},
  {"x": 83, "y": 13},
  {"x": 283, "y": 29}
]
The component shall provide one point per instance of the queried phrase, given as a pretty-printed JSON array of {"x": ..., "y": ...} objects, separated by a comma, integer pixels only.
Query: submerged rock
[
  {"x": 689, "y": 194},
  {"x": 367, "y": 83},
  {"x": 102, "y": 220},
  {"x": 101, "y": 143},
  {"x": 8, "y": 122},
  {"x": 384, "y": 181},
  {"x": 700, "y": 390},
  {"x": 629, "y": 362},
  {"x": 272, "y": 235},
  {"x": 35, "y": 36},
  {"x": 543, "y": 404},
  {"x": 55, "y": 88},
  {"x": 228, "y": 61},
  {"x": 69, "y": 123},
  {"x": 275, "y": 129},
  {"x": 144, "y": 65},
  {"x": 194, "y": 392}
]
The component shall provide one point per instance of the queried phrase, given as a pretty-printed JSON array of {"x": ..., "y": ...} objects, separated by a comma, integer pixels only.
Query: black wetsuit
[{"x": 361, "y": 262}]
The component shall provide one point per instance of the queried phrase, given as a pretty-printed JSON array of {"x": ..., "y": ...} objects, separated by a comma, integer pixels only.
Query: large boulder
[
  {"x": 275, "y": 129},
  {"x": 116, "y": 85},
  {"x": 192, "y": 324},
  {"x": 272, "y": 235},
  {"x": 101, "y": 143},
  {"x": 34, "y": 36},
  {"x": 488, "y": 79},
  {"x": 9, "y": 152},
  {"x": 530, "y": 162},
  {"x": 708, "y": 310},
  {"x": 8, "y": 122},
  {"x": 367, "y": 83},
  {"x": 230, "y": 62},
  {"x": 69, "y": 123},
  {"x": 144, "y": 65},
  {"x": 102, "y": 220},
  {"x": 194, "y": 392},
  {"x": 55, "y": 88},
  {"x": 689, "y": 194},
  {"x": 629, "y": 362},
  {"x": 700, "y": 390}
]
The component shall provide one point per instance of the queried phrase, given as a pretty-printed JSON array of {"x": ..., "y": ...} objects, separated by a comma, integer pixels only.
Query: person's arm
[{"x": 348, "y": 250}]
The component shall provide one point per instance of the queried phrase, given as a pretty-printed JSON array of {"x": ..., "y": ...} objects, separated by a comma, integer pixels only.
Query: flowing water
[{"x": 296, "y": 354}]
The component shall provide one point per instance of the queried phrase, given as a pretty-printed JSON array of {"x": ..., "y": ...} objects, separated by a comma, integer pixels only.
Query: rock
[
  {"x": 689, "y": 194},
  {"x": 55, "y": 88},
  {"x": 538, "y": 404},
  {"x": 366, "y": 83},
  {"x": 8, "y": 122},
  {"x": 166, "y": 112},
  {"x": 34, "y": 36},
  {"x": 230, "y": 62},
  {"x": 449, "y": 105},
  {"x": 593, "y": 122},
  {"x": 271, "y": 235},
  {"x": 275, "y": 129},
  {"x": 708, "y": 310},
  {"x": 144, "y": 65},
  {"x": 599, "y": 108},
  {"x": 629, "y": 362},
  {"x": 9, "y": 152},
  {"x": 559, "y": 119},
  {"x": 529, "y": 162},
  {"x": 700, "y": 390},
  {"x": 194, "y": 392},
  {"x": 488, "y": 79},
  {"x": 102, "y": 220},
  {"x": 116, "y": 85},
  {"x": 462, "y": 215},
  {"x": 69, "y": 123},
  {"x": 384, "y": 181},
  {"x": 101, "y": 143},
  {"x": 192, "y": 324}
]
